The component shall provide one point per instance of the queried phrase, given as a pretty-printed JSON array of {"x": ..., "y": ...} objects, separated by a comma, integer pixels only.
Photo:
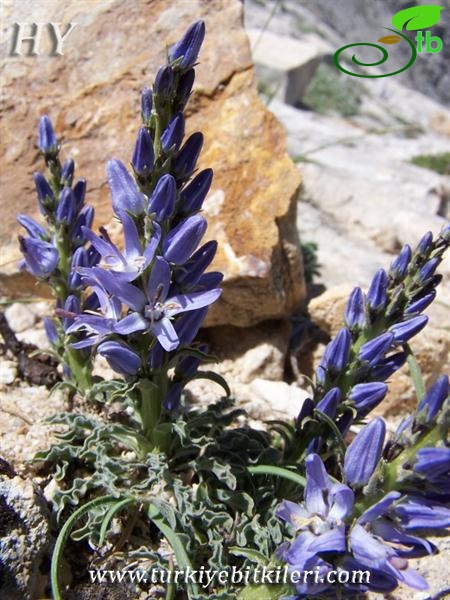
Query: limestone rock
[
  {"x": 24, "y": 539},
  {"x": 8, "y": 372},
  {"x": 285, "y": 64},
  {"x": 20, "y": 317},
  {"x": 280, "y": 396},
  {"x": 92, "y": 96}
]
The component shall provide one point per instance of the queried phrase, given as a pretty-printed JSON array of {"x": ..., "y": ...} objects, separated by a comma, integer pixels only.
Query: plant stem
[{"x": 415, "y": 372}]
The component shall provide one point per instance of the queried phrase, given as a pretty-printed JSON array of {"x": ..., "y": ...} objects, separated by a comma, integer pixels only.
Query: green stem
[
  {"x": 279, "y": 472},
  {"x": 415, "y": 372}
]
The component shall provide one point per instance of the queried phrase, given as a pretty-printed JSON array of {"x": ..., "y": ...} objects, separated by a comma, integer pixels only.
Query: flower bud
[
  {"x": 164, "y": 82},
  {"x": 417, "y": 306},
  {"x": 374, "y": 350},
  {"x": 209, "y": 281},
  {"x": 67, "y": 172},
  {"x": 424, "y": 245},
  {"x": 188, "y": 325},
  {"x": 194, "y": 194},
  {"x": 66, "y": 209},
  {"x": 146, "y": 104},
  {"x": 329, "y": 403},
  {"x": 50, "y": 330},
  {"x": 364, "y": 453},
  {"x": 47, "y": 141},
  {"x": 184, "y": 239},
  {"x": 377, "y": 296},
  {"x": 434, "y": 398},
  {"x": 400, "y": 264},
  {"x": 32, "y": 228},
  {"x": 125, "y": 195},
  {"x": 184, "y": 88},
  {"x": 79, "y": 191},
  {"x": 355, "y": 312},
  {"x": 365, "y": 396},
  {"x": 428, "y": 269},
  {"x": 162, "y": 201},
  {"x": 196, "y": 266},
  {"x": 41, "y": 258},
  {"x": 404, "y": 331},
  {"x": 337, "y": 351},
  {"x": 186, "y": 50},
  {"x": 185, "y": 161},
  {"x": 388, "y": 366},
  {"x": 143, "y": 156},
  {"x": 44, "y": 192},
  {"x": 120, "y": 358},
  {"x": 173, "y": 134}
]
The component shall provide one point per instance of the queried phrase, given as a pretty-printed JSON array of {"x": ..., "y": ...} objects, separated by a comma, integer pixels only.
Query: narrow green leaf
[
  {"x": 415, "y": 372},
  {"x": 63, "y": 536},
  {"x": 278, "y": 472},
  {"x": 212, "y": 377},
  {"x": 110, "y": 515},
  {"x": 177, "y": 546},
  {"x": 249, "y": 553}
]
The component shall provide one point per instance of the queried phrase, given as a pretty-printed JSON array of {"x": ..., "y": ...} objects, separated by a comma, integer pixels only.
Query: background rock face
[{"x": 92, "y": 95}]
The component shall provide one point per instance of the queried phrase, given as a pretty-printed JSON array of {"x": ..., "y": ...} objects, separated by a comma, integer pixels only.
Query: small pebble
[
  {"x": 8, "y": 372},
  {"x": 20, "y": 317}
]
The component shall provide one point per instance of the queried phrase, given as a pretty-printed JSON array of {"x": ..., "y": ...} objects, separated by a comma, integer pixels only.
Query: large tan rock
[{"x": 92, "y": 96}]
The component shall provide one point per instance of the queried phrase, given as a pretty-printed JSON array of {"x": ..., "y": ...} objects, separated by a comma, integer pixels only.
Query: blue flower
[
  {"x": 364, "y": 453},
  {"x": 124, "y": 192},
  {"x": 32, "y": 227},
  {"x": 45, "y": 194},
  {"x": 146, "y": 104},
  {"x": 186, "y": 159},
  {"x": 193, "y": 195},
  {"x": 329, "y": 403},
  {"x": 433, "y": 400},
  {"x": 172, "y": 136},
  {"x": 153, "y": 310},
  {"x": 336, "y": 354},
  {"x": 47, "y": 141},
  {"x": 377, "y": 294},
  {"x": 400, "y": 264},
  {"x": 143, "y": 156},
  {"x": 365, "y": 396},
  {"x": 407, "y": 329},
  {"x": 186, "y": 50},
  {"x": 183, "y": 239},
  {"x": 355, "y": 312},
  {"x": 130, "y": 263},
  {"x": 163, "y": 82},
  {"x": 374, "y": 350},
  {"x": 416, "y": 512},
  {"x": 162, "y": 201},
  {"x": 120, "y": 358},
  {"x": 433, "y": 464},
  {"x": 41, "y": 258}
]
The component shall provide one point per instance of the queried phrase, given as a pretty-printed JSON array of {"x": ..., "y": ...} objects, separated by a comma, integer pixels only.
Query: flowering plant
[{"x": 301, "y": 495}]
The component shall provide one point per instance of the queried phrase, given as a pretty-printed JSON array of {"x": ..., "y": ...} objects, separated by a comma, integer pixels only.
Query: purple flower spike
[
  {"x": 47, "y": 142},
  {"x": 162, "y": 201},
  {"x": 365, "y": 396},
  {"x": 355, "y": 312},
  {"x": 194, "y": 194},
  {"x": 44, "y": 192},
  {"x": 146, "y": 104},
  {"x": 125, "y": 195},
  {"x": 376, "y": 296},
  {"x": 173, "y": 134},
  {"x": 66, "y": 210},
  {"x": 181, "y": 242},
  {"x": 164, "y": 82},
  {"x": 329, "y": 402},
  {"x": 364, "y": 453},
  {"x": 120, "y": 358},
  {"x": 435, "y": 397},
  {"x": 143, "y": 156},
  {"x": 185, "y": 161},
  {"x": 404, "y": 331},
  {"x": 374, "y": 350},
  {"x": 41, "y": 258},
  {"x": 187, "y": 48},
  {"x": 400, "y": 264}
]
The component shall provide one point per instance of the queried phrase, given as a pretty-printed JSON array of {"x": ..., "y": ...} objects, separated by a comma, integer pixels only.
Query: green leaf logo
[{"x": 417, "y": 17}]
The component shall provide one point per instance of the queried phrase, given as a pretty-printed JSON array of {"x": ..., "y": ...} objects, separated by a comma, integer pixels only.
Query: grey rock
[
  {"x": 24, "y": 539},
  {"x": 20, "y": 317}
]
